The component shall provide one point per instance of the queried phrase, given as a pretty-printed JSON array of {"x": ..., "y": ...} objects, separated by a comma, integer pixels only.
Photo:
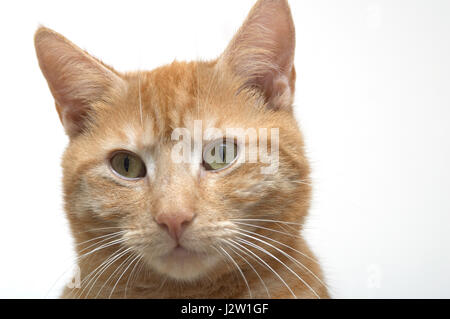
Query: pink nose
[{"x": 175, "y": 222}]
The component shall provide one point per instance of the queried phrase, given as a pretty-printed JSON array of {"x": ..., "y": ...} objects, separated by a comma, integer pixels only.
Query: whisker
[
  {"x": 97, "y": 229},
  {"x": 140, "y": 99},
  {"x": 79, "y": 258},
  {"x": 266, "y": 220},
  {"x": 269, "y": 229},
  {"x": 123, "y": 273},
  {"x": 88, "y": 276},
  {"x": 112, "y": 274},
  {"x": 142, "y": 269},
  {"x": 227, "y": 262},
  {"x": 210, "y": 84},
  {"x": 280, "y": 223},
  {"x": 162, "y": 284},
  {"x": 98, "y": 237},
  {"x": 109, "y": 244},
  {"x": 109, "y": 236},
  {"x": 287, "y": 228},
  {"x": 259, "y": 258},
  {"x": 277, "y": 259},
  {"x": 287, "y": 255},
  {"x": 278, "y": 242},
  {"x": 131, "y": 275},
  {"x": 91, "y": 276},
  {"x": 240, "y": 271},
  {"x": 104, "y": 268},
  {"x": 248, "y": 263},
  {"x": 304, "y": 182}
]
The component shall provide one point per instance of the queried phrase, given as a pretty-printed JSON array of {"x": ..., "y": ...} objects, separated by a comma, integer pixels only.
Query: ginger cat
[{"x": 213, "y": 224}]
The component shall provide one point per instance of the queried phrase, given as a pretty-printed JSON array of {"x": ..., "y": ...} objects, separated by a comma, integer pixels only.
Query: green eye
[
  {"x": 219, "y": 154},
  {"x": 128, "y": 165}
]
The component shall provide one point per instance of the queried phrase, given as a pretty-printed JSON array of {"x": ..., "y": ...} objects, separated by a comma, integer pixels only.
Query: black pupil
[{"x": 126, "y": 163}]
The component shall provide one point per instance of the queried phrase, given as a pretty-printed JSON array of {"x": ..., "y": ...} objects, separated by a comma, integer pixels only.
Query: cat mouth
[
  {"x": 182, "y": 263},
  {"x": 180, "y": 253}
]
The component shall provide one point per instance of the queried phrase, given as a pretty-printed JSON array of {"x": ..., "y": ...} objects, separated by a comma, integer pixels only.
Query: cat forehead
[
  {"x": 146, "y": 128},
  {"x": 154, "y": 109},
  {"x": 147, "y": 134},
  {"x": 190, "y": 96}
]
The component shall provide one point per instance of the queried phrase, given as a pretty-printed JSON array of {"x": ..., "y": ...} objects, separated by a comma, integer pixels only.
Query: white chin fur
[{"x": 184, "y": 269}]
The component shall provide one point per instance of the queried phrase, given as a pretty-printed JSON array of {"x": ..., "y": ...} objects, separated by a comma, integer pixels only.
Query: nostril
[
  {"x": 174, "y": 223},
  {"x": 185, "y": 223},
  {"x": 163, "y": 225}
]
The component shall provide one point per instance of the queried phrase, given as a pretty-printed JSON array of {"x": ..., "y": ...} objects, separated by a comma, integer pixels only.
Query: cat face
[
  {"x": 210, "y": 201},
  {"x": 122, "y": 181}
]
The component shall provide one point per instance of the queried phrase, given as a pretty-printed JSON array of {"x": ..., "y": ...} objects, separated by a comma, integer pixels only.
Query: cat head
[{"x": 126, "y": 188}]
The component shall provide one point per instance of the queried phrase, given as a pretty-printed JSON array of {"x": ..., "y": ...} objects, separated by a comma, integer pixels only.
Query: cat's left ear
[{"x": 262, "y": 52}]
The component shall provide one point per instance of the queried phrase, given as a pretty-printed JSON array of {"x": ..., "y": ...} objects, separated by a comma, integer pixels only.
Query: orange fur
[{"x": 104, "y": 111}]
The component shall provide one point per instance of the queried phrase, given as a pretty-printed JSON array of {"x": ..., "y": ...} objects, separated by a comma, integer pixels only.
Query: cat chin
[{"x": 184, "y": 266}]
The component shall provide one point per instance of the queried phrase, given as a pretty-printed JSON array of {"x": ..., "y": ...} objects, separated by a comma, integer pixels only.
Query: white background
[{"x": 373, "y": 100}]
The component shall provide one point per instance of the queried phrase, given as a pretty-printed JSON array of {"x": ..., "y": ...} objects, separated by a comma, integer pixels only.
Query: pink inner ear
[
  {"x": 279, "y": 90},
  {"x": 262, "y": 52},
  {"x": 73, "y": 118}
]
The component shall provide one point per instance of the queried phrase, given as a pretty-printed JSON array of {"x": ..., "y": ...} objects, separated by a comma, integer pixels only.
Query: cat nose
[{"x": 175, "y": 222}]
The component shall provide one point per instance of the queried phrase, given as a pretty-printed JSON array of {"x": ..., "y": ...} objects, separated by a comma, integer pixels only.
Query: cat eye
[
  {"x": 128, "y": 165},
  {"x": 219, "y": 154}
]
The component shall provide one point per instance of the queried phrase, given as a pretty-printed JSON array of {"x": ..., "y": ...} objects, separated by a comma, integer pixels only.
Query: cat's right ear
[{"x": 76, "y": 80}]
